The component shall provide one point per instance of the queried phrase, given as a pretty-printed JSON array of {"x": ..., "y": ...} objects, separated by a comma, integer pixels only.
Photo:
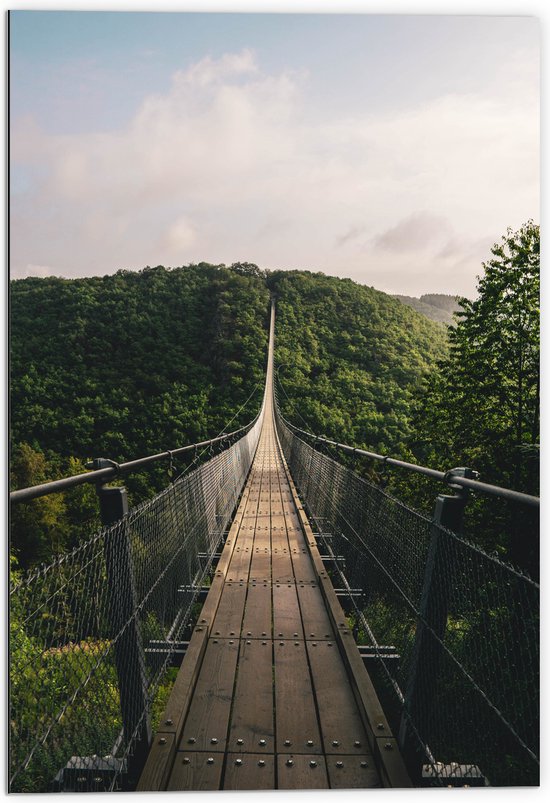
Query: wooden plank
[
  {"x": 229, "y": 617},
  {"x": 252, "y": 725},
  {"x": 196, "y": 772},
  {"x": 352, "y": 772},
  {"x": 260, "y": 563},
  {"x": 258, "y": 611},
  {"x": 341, "y": 726},
  {"x": 301, "y": 772},
  {"x": 239, "y": 568},
  {"x": 208, "y": 716},
  {"x": 316, "y": 621},
  {"x": 287, "y": 621},
  {"x": 295, "y": 715},
  {"x": 158, "y": 765},
  {"x": 254, "y": 771},
  {"x": 302, "y": 566}
]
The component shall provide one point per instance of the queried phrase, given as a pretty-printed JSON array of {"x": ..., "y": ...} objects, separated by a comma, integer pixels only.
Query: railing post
[
  {"x": 432, "y": 623},
  {"x": 125, "y": 629}
]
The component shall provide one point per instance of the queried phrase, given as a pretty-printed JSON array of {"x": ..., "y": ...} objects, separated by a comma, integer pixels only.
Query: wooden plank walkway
[{"x": 272, "y": 692}]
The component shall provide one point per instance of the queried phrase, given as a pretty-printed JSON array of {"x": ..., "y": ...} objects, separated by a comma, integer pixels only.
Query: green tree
[{"x": 482, "y": 408}]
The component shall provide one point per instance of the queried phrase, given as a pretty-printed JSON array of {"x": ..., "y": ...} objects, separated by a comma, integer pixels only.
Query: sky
[{"x": 391, "y": 149}]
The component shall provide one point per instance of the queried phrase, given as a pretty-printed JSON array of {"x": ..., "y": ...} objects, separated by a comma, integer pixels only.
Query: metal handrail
[
  {"x": 451, "y": 477},
  {"x": 114, "y": 469}
]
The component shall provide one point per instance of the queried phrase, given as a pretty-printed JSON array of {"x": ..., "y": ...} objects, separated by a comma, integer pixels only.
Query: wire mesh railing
[
  {"x": 93, "y": 636},
  {"x": 453, "y": 632}
]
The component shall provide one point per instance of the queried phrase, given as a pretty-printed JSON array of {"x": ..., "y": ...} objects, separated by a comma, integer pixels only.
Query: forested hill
[
  {"x": 136, "y": 362},
  {"x": 139, "y": 362},
  {"x": 352, "y": 359},
  {"x": 435, "y": 306}
]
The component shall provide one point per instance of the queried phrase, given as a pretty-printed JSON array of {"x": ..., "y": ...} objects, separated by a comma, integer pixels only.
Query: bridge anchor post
[
  {"x": 125, "y": 628},
  {"x": 431, "y": 625}
]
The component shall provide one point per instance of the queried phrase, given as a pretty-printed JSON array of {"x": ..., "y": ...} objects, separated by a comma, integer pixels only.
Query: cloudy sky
[{"x": 394, "y": 150}]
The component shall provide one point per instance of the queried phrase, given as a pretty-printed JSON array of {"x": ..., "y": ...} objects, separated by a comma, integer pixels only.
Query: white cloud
[{"x": 259, "y": 180}]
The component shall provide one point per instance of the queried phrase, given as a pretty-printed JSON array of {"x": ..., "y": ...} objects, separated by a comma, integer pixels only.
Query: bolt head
[
  {"x": 162, "y": 740},
  {"x": 312, "y": 763},
  {"x": 213, "y": 740},
  {"x": 263, "y": 742},
  {"x": 240, "y": 741},
  {"x": 210, "y": 761},
  {"x": 192, "y": 740},
  {"x": 388, "y": 746},
  {"x": 261, "y": 763},
  {"x": 169, "y": 722},
  {"x": 357, "y": 744},
  {"x": 380, "y": 726},
  {"x": 335, "y": 743},
  {"x": 289, "y": 762},
  {"x": 339, "y": 764},
  {"x": 287, "y": 742},
  {"x": 238, "y": 762}
]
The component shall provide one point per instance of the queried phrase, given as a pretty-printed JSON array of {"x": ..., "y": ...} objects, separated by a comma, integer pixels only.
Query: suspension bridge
[{"x": 273, "y": 620}]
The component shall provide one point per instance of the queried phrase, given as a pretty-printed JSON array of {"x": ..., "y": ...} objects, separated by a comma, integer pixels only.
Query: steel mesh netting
[
  {"x": 454, "y": 631},
  {"x": 119, "y": 604}
]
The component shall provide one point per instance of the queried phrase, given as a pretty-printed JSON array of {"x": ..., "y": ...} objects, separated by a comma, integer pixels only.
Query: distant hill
[{"x": 435, "y": 306}]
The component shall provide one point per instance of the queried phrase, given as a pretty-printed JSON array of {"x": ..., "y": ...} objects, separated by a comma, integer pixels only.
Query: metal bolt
[
  {"x": 98, "y": 779},
  {"x": 364, "y": 764},
  {"x": 289, "y": 762},
  {"x": 336, "y": 743},
  {"x": 213, "y": 740},
  {"x": 186, "y": 760},
  {"x": 357, "y": 744},
  {"x": 261, "y": 763},
  {"x": 210, "y": 761},
  {"x": 192, "y": 740},
  {"x": 339, "y": 764},
  {"x": 309, "y": 743},
  {"x": 162, "y": 740},
  {"x": 240, "y": 741},
  {"x": 263, "y": 742},
  {"x": 238, "y": 762},
  {"x": 380, "y": 726},
  {"x": 168, "y": 722},
  {"x": 388, "y": 746},
  {"x": 312, "y": 763},
  {"x": 287, "y": 742}
]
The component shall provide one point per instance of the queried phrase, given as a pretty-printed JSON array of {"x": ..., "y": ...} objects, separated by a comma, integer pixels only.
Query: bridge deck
[{"x": 272, "y": 693}]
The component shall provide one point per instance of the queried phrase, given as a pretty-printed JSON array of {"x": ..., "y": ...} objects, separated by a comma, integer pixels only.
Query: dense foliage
[
  {"x": 351, "y": 359},
  {"x": 482, "y": 407},
  {"x": 124, "y": 366}
]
